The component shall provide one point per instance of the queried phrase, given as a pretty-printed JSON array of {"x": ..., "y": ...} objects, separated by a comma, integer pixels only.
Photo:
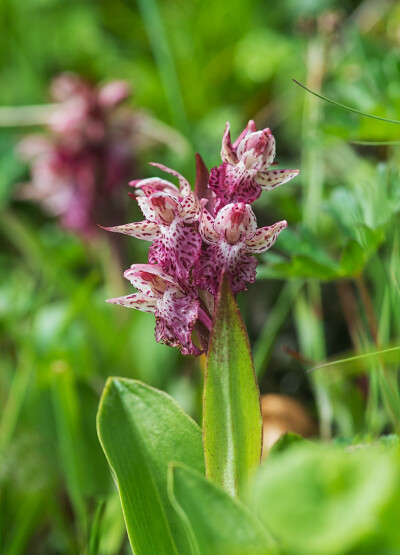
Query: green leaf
[
  {"x": 285, "y": 442},
  {"x": 299, "y": 267},
  {"x": 141, "y": 431},
  {"x": 232, "y": 423},
  {"x": 353, "y": 259},
  {"x": 324, "y": 500},
  {"x": 218, "y": 523}
]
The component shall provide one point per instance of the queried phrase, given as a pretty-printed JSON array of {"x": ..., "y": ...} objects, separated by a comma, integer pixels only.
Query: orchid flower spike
[
  {"x": 169, "y": 214},
  {"x": 176, "y": 309},
  {"x": 245, "y": 171},
  {"x": 191, "y": 248},
  {"x": 232, "y": 237}
]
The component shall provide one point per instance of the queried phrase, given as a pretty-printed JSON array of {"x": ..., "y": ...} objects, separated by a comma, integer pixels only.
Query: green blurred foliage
[{"x": 323, "y": 499}]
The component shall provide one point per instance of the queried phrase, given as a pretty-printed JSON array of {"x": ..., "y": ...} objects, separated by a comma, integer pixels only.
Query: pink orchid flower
[
  {"x": 245, "y": 171},
  {"x": 85, "y": 156},
  {"x": 169, "y": 217},
  {"x": 176, "y": 310},
  {"x": 232, "y": 238}
]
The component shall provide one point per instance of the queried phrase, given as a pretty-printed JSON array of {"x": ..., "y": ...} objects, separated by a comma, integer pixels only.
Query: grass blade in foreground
[
  {"x": 218, "y": 523},
  {"x": 232, "y": 423},
  {"x": 141, "y": 431}
]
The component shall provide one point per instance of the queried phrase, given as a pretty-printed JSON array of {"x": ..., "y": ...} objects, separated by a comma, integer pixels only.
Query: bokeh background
[{"x": 328, "y": 290}]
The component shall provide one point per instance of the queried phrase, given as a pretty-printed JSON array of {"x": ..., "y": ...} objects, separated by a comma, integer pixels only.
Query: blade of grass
[
  {"x": 376, "y": 143},
  {"x": 16, "y": 396},
  {"x": 354, "y": 358},
  {"x": 165, "y": 62},
  {"x": 26, "y": 519},
  {"x": 348, "y": 108},
  {"x": 267, "y": 335},
  {"x": 308, "y": 307},
  {"x": 65, "y": 403},
  {"x": 94, "y": 539}
]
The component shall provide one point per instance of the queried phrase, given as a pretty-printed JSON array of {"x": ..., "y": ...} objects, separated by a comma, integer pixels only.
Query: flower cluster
[
  {"x": 86, "y": 154},
  {"x": 198, "y": 235}
]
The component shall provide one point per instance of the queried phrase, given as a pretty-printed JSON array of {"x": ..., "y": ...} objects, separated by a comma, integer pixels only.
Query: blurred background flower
[{"x": 87, "y": 154}]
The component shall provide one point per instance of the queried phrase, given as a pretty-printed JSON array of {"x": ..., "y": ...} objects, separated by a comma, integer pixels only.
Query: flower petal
[
  {"x": 155, "y": 184},
  {"x": 265, "y": 237},
  {"x": 177, "y": 250},
  {"x": 239, "y": 265},
  {"x": 233, "y": 184},
  {"x": 273, "y": 178},
  {"x": 147, "y": 209},
  {"x": 257, "y": 150},
  {"x": 250, "y": 128},
  {"x": 149, "y": 231},
  {"x": 142, "y": 302},
  {"x": 228, "y": 154},
  {"x": 235, "y": 222},
  {"x": 140, "y": 275},
  {"x": 175, "y": 318},
  {"x": 207, "y": 230},
  {"x": 160, "y": 208},
  {"x": 184, "y": 184},
  {"x": 190, "y": 209}
]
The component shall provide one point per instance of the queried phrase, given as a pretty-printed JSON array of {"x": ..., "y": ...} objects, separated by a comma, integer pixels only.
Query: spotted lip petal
[
  {"x": 176, "y": 250},
  {"x": 175, "y": 319},
  {"x": 236, "y": 261},
  {"x": 231, "y": 238}
]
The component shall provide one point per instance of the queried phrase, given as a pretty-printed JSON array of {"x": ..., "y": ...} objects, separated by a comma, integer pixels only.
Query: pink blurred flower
[
  {"x": 86, "y": 155},
  {"x": 245, "y": 171}
]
